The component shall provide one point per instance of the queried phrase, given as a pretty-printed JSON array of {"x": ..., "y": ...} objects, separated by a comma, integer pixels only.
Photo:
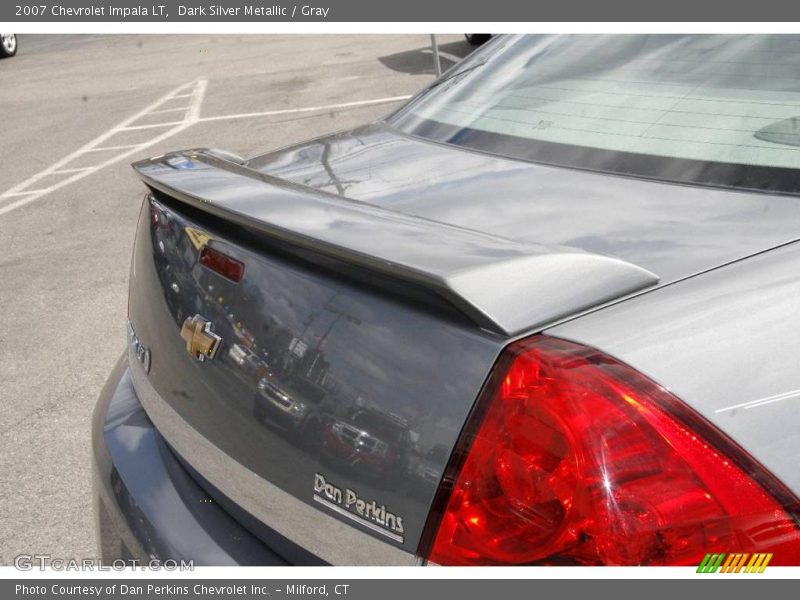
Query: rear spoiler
[{"x": 503, "y": 286}]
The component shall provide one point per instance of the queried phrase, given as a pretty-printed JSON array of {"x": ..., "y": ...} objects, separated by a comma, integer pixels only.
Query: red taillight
[
  {"x": 222, "y": 264},
  {"x": 575, "y": 458}
]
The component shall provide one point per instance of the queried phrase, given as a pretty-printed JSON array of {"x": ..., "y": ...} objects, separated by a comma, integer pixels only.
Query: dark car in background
[
  {"x": 8, "y": 45},
  {"x": 545, "y": 313}
]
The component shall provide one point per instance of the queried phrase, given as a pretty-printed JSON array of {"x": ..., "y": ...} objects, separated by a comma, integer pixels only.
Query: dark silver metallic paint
[
  {"x": 458, "y": 223},
  {"x": 148, "y": 506},
  {"x": 726, "y": 339},
  {"x": 293, "y": 517},
  {"x": 670, "y": 230}
]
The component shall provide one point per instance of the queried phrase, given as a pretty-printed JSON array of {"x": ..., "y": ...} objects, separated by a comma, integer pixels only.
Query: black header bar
[{"x": 438, "y": 11}]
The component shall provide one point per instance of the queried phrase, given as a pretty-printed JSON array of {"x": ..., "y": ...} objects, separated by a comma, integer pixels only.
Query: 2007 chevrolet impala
[{"x": 548, "y": 312}]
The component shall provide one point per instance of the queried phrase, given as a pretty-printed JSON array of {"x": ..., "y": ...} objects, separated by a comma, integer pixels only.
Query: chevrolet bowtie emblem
[{"x": 201, "y": 342}]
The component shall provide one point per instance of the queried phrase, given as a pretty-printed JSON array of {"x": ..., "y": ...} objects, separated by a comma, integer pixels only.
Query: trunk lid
[
  {"x": 672, "y": 230},
  {"x": 348, "y": 356}
]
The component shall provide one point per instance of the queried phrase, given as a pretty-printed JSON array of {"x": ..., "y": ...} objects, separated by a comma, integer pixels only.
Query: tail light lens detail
[
  {"x": 222, "y": 264},
  {"x": 575, "y": 458}
]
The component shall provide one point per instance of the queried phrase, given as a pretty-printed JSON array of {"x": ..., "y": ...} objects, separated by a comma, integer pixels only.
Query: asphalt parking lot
[{"x": 75, "y": 111}]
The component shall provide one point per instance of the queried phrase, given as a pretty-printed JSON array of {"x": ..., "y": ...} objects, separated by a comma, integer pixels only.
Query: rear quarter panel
[{"x": 727, "y": 343}]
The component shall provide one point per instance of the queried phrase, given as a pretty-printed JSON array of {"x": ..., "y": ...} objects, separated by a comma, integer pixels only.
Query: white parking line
[
  {"x": 151, "y": 126},
  {"x": 451, "y": 57},
  {"x": 191, "y": 116},
  {"x": 109, "y": 148},
  {"x": 197, "y": 91},
  {"x": 13, "y": 194},
  {"x": 167, "y": 110},
  {"x": 61, "y": 171},
  {"x": 289, "y": 111}
]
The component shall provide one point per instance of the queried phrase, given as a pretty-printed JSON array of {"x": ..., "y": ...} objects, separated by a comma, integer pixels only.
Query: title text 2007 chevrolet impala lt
[{"x": 548, "y": 312}]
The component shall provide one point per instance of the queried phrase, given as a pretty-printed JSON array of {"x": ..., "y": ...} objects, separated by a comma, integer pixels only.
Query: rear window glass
[{"x": 713, "y": 109}]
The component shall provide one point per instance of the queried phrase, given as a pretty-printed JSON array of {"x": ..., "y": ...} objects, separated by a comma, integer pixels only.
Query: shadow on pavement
[{"x": 420, "y": 61}]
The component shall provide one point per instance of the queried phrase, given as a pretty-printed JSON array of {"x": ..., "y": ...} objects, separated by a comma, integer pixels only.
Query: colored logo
[
  {"x": 201, "y": 341},
  {"x": 735, "y": 563}
]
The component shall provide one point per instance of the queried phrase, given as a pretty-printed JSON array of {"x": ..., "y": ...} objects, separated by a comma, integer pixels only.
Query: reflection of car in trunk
[
  {"x": 291, "y": 402},
  {"x": 369, "y": 440},
  {"x": 247, "y": 361}
]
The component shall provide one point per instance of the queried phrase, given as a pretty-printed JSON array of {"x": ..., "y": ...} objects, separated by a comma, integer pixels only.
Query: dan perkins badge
[{"x": 368, "y": 513}]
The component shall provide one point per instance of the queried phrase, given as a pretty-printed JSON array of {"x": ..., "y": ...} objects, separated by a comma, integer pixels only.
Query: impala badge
[
  {"x": 139, "y": 350},
  {"x": 201, "y": 342}
]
